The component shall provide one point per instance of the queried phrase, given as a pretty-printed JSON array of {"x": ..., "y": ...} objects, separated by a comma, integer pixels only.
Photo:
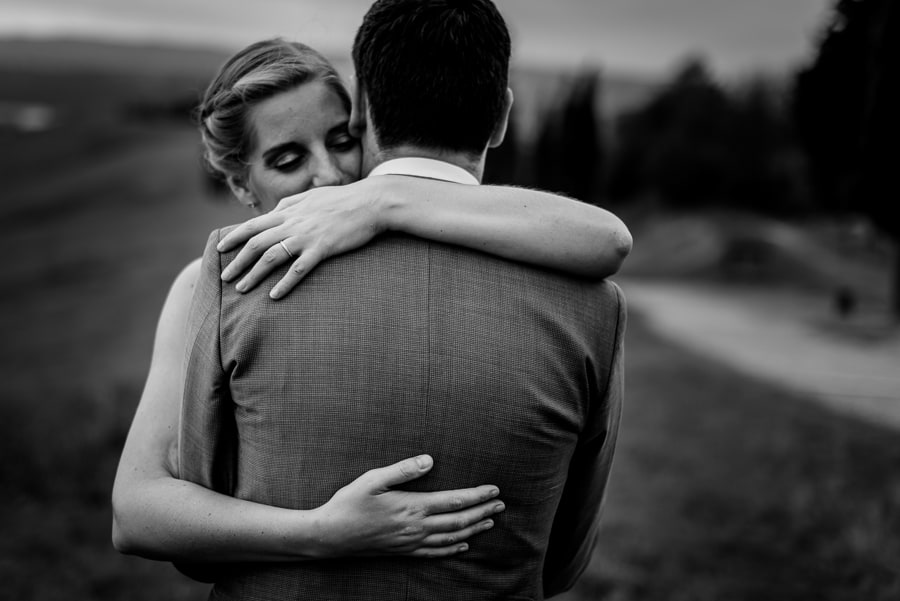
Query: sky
[{"x": 647, "y": 36}]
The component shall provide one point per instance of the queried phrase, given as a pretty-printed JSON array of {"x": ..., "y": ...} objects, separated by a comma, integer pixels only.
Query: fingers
[
  {"x": 445, "y": 544},
  {"x": 254, "y": 250},
  {"x": 384, "y": 478},
  {"x": 276, "y": 255},
  {"x": 445, "y": 523},
  {"x": 456, "y": 500},
  {"x": 452, "y": 539},
  {"x": 438, "y": 552},
  {"x": 301, "y": 267},
  {"x": 250, "y": 228},
  {"x": 289, "y": 201}
]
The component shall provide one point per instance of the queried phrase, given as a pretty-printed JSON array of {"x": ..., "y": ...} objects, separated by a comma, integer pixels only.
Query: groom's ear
[
  {"x": 358, "y": 110},
  {"x": 503, "y": 123}
]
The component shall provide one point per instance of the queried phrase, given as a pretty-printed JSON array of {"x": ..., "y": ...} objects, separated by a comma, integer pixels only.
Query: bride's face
[{"x": 300, "y": 141}]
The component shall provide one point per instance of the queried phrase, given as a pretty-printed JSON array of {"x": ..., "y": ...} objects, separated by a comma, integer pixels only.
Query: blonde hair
[{"x": 256, "y": 73}]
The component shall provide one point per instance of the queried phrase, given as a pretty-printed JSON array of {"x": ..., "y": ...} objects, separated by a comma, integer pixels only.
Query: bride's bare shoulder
[
  {"x": 186, "y": 280},
  {"x": 178, "y": 302}
]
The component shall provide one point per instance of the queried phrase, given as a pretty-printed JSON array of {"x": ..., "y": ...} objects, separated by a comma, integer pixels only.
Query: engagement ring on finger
[{"x": 287, "y": 250}]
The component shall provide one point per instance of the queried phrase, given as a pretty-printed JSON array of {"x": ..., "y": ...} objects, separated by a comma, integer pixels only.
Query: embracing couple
[{"x": 430, "y": 416}]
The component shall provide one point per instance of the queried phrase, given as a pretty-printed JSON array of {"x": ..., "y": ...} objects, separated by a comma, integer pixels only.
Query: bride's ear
[
  {"x": 241, "y": 191},
  {"x": 358, "y": 109},
  {"x": 503, "y": 122}
]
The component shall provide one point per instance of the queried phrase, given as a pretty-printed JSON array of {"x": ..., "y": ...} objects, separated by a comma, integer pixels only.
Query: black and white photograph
[{"x": 590, "y": 300}]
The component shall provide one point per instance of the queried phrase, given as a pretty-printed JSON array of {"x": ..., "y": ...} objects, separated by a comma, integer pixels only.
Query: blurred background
[{"x": 750, "y": 146}]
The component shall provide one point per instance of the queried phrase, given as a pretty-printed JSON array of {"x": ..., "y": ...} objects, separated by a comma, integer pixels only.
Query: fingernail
[
  {"x": 494, "y": 492},
  {"x": 424, "y": 462},
  {"x": 499, "y": 506},
  {"x": 220, "y": 246},
  {"x": 241, "y": 286},
  {"x": 275, "y": 293},
  {"x": 463, "y": 547},
  {"x": 487, "y": 525}
]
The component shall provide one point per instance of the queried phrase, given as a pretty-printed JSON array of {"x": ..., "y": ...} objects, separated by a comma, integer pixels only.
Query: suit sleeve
[
  {"x": 207, "y": 434},
  {"x": 575, "y": 526}
]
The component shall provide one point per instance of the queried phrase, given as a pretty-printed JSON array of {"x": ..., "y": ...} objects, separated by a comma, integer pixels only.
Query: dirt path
[{"x": 855, "y": 378}]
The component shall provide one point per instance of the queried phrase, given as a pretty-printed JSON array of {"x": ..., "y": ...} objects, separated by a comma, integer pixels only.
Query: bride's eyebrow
[{"x": 341, "y": 127}]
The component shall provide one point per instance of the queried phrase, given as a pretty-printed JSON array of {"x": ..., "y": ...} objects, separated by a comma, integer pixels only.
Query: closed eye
[
  {"x": 287, "y": 161},
  {"x": 344, "y": 143},
  {"x": 339, "y": 138}
]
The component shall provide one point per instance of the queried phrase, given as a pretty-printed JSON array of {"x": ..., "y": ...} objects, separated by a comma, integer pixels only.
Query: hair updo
[{"x": 256, "y": 73}]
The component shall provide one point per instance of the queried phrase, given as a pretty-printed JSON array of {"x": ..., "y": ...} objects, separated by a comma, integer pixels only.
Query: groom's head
[{"x": 433, "y": 74}]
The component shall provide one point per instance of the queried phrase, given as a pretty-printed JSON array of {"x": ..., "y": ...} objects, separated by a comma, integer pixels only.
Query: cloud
[{"x": 645, "y": 35}]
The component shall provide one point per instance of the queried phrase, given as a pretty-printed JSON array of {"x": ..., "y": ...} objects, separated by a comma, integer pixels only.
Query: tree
[
  {"x": 569, "y": 153},
  {"x": 768, "y": 170},
  {"x": 846, "y": 106},
  {"x": 698, "y": 144},
  {"x": 673, "y": 147},
  {"x": 829, "y": 98},
  {"x": 582, "y": 146},
  {"x": 877, "y": 187}
]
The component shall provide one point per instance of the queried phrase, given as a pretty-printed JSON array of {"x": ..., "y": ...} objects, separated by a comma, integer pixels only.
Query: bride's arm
[
  {"x": 515, "y": 223},
  {"x": 159, "y": 516}
]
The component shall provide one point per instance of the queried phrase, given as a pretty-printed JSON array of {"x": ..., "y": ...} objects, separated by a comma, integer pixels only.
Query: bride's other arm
[
  {"x": 156, "y": 515},
  {"x": 515, "y": 223}
]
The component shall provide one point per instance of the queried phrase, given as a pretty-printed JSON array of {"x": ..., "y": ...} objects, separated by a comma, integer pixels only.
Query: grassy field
[
  {"x": 723, "y": 489},
  {"x": 726, "y": 488}
]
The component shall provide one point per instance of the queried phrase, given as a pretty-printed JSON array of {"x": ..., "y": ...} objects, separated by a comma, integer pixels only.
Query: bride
[{"x": 274, "y": 124}]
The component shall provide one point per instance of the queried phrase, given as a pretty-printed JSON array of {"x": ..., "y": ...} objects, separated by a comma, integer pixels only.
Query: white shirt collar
[{"x": 422, "y": 167}]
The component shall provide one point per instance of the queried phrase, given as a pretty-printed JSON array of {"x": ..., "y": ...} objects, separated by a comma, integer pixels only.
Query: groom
[{"x": 504, "y": 373}]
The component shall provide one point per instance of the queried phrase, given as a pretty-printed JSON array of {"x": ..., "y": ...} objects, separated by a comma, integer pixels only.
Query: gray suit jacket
[{"x": 506, "y": 374}]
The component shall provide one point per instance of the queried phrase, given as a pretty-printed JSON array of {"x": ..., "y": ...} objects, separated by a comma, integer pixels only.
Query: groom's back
[{"x": 496, "y": 369}]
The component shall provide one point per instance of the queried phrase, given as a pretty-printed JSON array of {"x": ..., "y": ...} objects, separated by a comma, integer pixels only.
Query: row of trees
[
  {"x": 694, "y": 143},
  {"x": 825, "y": 142},
  {"x": 567, "y": 154},
  {"x": 699, "y": 144}
]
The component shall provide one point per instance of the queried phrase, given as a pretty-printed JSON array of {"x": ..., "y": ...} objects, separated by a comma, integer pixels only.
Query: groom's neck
[{"x": 472, "y": 164}]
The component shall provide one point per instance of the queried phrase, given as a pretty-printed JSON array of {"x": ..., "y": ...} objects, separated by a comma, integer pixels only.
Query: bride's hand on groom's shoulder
[
  {"x": 304, "y": 229},
  {"x": 367, "y": 517}
]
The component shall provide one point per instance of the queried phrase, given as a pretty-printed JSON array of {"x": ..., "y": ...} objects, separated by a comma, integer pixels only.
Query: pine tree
[
  {"x": 569, "y": 152},
  {"x": 846, "y": 106}
]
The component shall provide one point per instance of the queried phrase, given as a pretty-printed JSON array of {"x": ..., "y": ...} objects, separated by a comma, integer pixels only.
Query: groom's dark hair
[{"x": 435, "y": 72}]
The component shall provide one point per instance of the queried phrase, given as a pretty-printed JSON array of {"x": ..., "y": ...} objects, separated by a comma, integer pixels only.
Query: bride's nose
[{"x": 326, "y": 171}]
